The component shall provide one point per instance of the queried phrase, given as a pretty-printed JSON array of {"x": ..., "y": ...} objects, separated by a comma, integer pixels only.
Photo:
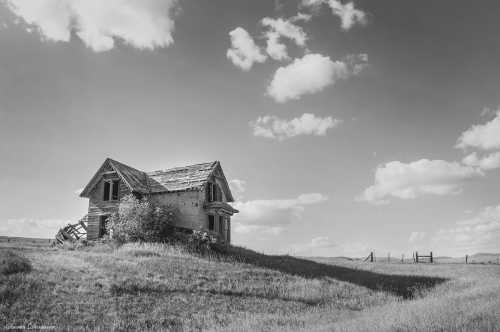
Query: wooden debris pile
[{"x": 72, "y": 232}]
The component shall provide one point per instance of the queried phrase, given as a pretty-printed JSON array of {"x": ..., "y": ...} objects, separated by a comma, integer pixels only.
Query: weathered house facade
[{"x": 200, "y": 193}]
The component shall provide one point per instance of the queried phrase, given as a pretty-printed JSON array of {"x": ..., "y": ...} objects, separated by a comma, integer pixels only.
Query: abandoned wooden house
[{"x": 200, "y": 193}]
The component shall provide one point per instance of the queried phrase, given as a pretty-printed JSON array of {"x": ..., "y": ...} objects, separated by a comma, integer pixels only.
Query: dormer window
[
  {"x": 214, "y": 194},
  {"x": 111, "y": 188}
]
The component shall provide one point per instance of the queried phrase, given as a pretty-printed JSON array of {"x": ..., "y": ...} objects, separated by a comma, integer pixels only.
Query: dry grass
[
  {"x": 11, "y": 262},
  {"x": 161, "y": 287}
]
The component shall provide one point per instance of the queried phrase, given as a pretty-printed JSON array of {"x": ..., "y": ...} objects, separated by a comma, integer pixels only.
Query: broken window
[
  {"x": 106, "y": 191},
  {"x": 111, "y": 190},
  {"x": 211, "y": 222},
  {"x": 114, "y": 195},
  {"x": 214, "y": 193}
]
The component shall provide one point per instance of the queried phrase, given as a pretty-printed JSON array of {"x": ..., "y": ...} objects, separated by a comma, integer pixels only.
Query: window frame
[{"x": 108, "y": 193}]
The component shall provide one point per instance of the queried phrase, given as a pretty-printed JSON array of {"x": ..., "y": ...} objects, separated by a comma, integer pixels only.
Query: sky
[{"x": 343, "y": 127}]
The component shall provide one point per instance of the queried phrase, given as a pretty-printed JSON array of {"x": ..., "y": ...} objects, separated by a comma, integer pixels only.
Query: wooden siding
[{"x": 98, "y": 207}]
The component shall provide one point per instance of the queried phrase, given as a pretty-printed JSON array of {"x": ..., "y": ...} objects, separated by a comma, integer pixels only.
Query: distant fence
[
  {"x": 423, "y": 258},
  {"x": 417, "y": 258}
]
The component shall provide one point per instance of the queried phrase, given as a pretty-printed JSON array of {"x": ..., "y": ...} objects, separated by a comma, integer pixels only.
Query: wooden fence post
[
  {"x": 371, "y": 256},
  {"x": 416, "y": 256},
  {"x": 466, "y": 259},
  {"x": 432, "y": 258}
]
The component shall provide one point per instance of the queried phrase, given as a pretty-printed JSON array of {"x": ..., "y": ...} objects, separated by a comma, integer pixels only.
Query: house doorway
[{"x": 103, "y": 223}]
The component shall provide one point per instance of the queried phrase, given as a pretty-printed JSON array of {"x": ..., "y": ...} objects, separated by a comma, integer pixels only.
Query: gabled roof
[{"x": 192, "y": 177}]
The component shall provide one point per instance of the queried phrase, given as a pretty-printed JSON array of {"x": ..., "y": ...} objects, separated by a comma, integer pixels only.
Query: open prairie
[{"x": 161, "y": 287}]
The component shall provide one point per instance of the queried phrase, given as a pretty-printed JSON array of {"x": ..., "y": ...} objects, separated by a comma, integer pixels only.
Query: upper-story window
[
  {"x": 214, "y": 194},
  {"x": 111, "y": 188}
]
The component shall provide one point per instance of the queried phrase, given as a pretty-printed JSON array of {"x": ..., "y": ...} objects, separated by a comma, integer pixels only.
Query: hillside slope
[{"x": 155, "y": 287}]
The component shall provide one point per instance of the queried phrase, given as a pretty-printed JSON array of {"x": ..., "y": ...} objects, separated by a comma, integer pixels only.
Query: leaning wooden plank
[
  {"x": 67, "y": 236},
  {"x": 82, "y": 223}
]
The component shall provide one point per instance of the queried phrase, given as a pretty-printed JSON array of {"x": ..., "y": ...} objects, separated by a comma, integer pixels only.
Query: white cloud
[
  {"x": 271, "y": 215},
  {"x": 348, "y": 14},
  {"x": 488, "y": 162},
  {"x": 276, "y": 49},
  {"x": 416, "y": 237},
  {"x": 145, "y": 24},
  {"x": 411, "y": 180},
  {"x": 243, "y": 51},
  {"x": 485, "y": 136},
  {"x": 307, "y": 75},
  {"x": 308, "y": 124},
  {"x": 480, "y": 233},
  {"x": 301, "y": 17},
  {"x": 278, "y": 28},
  {"x": 38, "y": 228},
  {"x": 238, "y": 188}
]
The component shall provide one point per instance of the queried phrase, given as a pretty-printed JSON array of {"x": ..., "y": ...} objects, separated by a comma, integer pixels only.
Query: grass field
[{"x": 158, "y": 287}]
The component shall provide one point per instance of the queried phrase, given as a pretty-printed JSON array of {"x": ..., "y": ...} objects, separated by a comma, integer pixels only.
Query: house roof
[
  {"x": 181, "y": 178},
  {"x": 191, "y": 177}
]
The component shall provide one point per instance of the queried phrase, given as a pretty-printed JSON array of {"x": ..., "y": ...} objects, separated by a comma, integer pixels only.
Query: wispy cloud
[
  {"x": 348, "y": 14},
  {"x": 144, "y": 24},
  {"x": 323, "y": 246},
  {"x": 416, "y": 237},
  {"x": 480, "y": 233},
  {"x": 308, "y": 124},
  {"x": 278, "y": 28},
  {"x": 238, "y": 188},
  {"x": 272, "y": 215}
]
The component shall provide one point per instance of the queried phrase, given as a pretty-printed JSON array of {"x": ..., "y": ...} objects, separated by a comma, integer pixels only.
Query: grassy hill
[{"x": 160, "y": 287}]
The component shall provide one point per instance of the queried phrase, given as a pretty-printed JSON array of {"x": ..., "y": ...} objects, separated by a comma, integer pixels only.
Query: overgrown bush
[
  {"x": 200, "y": 242},
  {"x": 11, "y": 262},
  {"x": 142, "y": 220}
]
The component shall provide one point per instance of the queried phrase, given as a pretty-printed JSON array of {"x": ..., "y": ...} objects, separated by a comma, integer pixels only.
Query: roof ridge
[{"x": 182, "y": 167}]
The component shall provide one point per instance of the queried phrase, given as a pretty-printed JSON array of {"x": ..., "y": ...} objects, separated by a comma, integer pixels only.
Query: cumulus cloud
[
  {"x": 271, "y": 215},
  {"x": 488, "y": 162},
  {"x": 348, "y": 14},
  {"x": 307, "y": 75},
  {"x": 280, "y": 28},
  {"x": 243, "y": 51},
  {"x": 308, "y": 124},
  {"x": 37, "y": 228},
  {"x": 144, "y": 24},
  {"x": 414, "y": 179},
  {"x": 481, "y": 233},
  {"x": 484, "y": 136}
]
